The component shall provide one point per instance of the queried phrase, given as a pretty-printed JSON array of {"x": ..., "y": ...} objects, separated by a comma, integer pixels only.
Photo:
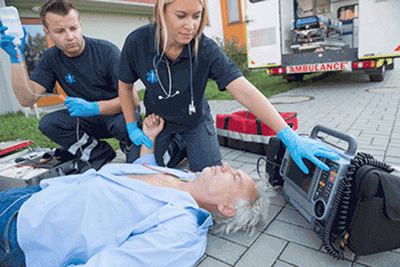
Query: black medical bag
[{"x": 374, "y": 224}]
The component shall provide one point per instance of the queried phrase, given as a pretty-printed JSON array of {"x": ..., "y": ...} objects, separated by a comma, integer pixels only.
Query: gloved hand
[
  {"x": 80, "y": 107},
  {"x": 301, "y": 147},
  {"x": 137, "y": 136},
  {"x": 6, "y": 43}
]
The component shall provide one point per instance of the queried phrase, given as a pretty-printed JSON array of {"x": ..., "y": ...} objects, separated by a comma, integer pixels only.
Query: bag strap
[
  {"x": 259, "y": 127},
  {"x": 226, "y": 122},
  {"x": 291, "y": 117}
]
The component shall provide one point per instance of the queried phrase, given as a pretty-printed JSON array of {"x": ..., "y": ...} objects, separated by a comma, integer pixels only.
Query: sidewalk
[{"x": 348, "y": 103}]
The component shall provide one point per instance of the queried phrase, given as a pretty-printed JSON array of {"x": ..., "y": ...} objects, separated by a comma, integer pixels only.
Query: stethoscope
[{"x": 192, "y": 108}]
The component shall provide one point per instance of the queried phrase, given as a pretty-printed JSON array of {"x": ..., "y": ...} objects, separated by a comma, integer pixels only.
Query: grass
[{"x": 16, "y": 126}]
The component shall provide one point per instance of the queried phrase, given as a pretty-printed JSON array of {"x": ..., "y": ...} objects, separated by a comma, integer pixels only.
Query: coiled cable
[{"x": 343, "y": 199}]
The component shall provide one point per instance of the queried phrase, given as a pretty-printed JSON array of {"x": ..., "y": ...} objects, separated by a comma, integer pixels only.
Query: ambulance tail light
[
  {"x": 368, "y": 64},
  {"x": 277, "y": 71}
]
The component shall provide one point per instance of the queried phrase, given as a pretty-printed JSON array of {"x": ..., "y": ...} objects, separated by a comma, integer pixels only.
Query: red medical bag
[{"x": 244, "y": 131}]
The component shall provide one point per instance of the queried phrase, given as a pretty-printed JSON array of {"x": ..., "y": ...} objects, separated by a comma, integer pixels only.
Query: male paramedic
[
  {"x": 135, "y": 214},
  {"x": 85, "y": 69}
]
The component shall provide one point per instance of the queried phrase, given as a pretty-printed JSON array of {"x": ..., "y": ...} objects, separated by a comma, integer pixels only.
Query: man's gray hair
[{"x": 248, "y": 214}]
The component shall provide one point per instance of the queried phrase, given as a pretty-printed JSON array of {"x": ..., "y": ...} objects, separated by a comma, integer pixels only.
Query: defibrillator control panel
[{"x": 313, "y": 194}]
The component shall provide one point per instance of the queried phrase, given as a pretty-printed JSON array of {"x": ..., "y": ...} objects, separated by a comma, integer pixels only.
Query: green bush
[{"x": 237, "y": 53}]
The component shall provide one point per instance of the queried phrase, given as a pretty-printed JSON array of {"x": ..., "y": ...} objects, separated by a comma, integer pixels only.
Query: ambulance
[{"x": 297, "y": 37}]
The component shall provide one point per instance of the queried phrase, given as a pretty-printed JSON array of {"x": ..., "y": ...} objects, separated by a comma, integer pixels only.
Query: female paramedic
[{"x": 175, "y": 60}]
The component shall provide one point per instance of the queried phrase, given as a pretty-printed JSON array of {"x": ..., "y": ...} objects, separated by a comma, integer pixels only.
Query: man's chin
[{"x": 72, "y": 53}]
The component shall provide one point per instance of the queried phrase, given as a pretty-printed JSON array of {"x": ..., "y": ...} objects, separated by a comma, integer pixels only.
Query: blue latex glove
[
  {"x": 6, "y": 43},
  {"x": 137, "y": 136},
  {"x": 301, "y": 147},
  {"x": 80, "y": 107}
]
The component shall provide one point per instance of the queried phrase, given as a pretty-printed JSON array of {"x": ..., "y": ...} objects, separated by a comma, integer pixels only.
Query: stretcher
[{"x": 317, "y": 33}]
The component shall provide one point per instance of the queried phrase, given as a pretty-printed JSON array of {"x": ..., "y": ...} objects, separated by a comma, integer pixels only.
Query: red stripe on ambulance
[{"x": 334, "y": 66}]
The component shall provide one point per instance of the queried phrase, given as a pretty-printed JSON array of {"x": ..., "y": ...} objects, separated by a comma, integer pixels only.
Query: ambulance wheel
[
  {"x": 378, "y": 77},
  {"x": 294, "y": 77},
  {"x": 390, "y": 66}
]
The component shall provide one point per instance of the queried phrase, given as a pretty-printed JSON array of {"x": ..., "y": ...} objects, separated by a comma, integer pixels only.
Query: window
[
  {"x": 307, "y": 8},
  {"x": 35, "y": 45},
  {"x": 233, "y": 11},
  {"x": 347, "y": 12},
  {"x": 36, "y": 42}
]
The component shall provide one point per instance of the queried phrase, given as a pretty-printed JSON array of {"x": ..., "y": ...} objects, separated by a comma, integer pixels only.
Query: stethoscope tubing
[{"x": 168, "y": 94}]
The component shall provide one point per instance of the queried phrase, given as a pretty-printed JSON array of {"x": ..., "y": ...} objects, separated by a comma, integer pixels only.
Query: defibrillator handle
[{"x": 351, "y": 141}]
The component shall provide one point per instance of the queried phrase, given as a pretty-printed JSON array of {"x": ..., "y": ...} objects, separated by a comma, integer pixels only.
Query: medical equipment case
[
  {"x": 242, "y": 130},
  {"x": 31, "y": 165}
]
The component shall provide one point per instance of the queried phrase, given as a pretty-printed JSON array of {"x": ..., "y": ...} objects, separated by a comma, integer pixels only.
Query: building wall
[
  {"x": 8, "y": 101},
  {"x": 113, "y": 28},
  {"x": 214, "y": 30}
]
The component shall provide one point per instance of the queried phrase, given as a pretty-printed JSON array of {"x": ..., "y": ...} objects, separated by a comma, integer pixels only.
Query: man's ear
[
  {"x": 227, "y": 210},
  {"x": 45, "y": 30}
]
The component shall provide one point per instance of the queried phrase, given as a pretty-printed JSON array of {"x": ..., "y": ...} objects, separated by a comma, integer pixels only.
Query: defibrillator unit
[
  {"x": 313, "y": 194},
  {"x": 338, "y": 202}
]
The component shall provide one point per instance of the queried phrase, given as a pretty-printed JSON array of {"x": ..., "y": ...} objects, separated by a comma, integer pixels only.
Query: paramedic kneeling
[
  {"x": 175, "y": 60},
  {"x": 85, "y": 68},
  {"x": 126, "y": 214}
]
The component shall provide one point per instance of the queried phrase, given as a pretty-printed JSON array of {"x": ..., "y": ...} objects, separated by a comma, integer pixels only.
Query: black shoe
[
  {"x": 63, "y": 154},
  {"x": 96, "y": 163},
  {"x": 126, "y": 147}
]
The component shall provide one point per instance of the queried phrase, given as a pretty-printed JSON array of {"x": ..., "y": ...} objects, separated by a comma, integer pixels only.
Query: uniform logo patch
[
  {"x": 152, "y": 77},
  {"x": 70, "y": 78}
]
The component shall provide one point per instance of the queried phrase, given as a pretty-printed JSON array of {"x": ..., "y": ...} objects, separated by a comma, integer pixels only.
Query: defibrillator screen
[{"x": 298, "y": 177}]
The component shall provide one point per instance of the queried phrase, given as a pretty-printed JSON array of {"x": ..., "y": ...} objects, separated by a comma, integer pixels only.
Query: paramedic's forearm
[
  {"x": 109, "y": 107},
  {"x": 249, "y": 96},
  {"x": 129, "y": 100},
  {"x": 20, "y": 79}
]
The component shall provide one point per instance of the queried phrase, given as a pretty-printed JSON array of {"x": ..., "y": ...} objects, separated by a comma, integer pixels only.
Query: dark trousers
[
  {"x": 11, "y": 201},
  {"x": 203, "y": 149},
  {"x": 80, "y": 135}
]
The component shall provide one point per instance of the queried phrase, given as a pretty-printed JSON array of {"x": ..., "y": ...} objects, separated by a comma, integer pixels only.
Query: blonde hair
[{"x": 159, "y": 9}]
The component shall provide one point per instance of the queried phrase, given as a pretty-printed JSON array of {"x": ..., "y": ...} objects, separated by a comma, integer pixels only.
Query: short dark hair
[{"x": 60, "y": 7}]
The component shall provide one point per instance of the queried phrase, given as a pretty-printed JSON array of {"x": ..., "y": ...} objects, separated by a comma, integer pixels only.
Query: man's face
[
  {"x": 183, "y": 18},
  {"x": 225, "y": 184},
  {"x": 66, "y": 32}
]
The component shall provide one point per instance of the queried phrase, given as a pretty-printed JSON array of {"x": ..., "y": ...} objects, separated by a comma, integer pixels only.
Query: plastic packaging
[{"x": 9, "y": 17}]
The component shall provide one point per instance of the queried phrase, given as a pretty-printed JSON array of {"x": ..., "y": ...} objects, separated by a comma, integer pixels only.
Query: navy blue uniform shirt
[
  {"x": 92, "y": 75},
  {"x": 136, "y": 62}
]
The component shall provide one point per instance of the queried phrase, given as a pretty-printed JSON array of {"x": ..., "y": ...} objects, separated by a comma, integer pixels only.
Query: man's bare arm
[
  {"x": 152, "y": 126},
  {"x": 26, "y": 91}
]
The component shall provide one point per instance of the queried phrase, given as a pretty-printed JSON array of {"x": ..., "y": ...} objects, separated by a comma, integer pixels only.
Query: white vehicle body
[{"x": 296, "y": 37}]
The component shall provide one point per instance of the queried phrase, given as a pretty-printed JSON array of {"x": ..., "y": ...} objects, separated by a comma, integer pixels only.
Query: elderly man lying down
[{"x": 127, "y": 214}]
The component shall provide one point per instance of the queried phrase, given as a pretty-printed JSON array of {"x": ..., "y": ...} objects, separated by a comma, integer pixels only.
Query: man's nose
[
  {"x": 226, "y": 167},
  {"x": 68, "y": 34}
]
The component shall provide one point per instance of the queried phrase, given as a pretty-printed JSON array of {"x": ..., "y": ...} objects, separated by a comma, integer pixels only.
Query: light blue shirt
[{"x": 106, "y": 219}]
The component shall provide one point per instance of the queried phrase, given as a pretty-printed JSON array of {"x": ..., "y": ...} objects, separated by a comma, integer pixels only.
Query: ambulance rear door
[
  {"x": 379, "y": 29},
  {"x": 263, "y": 33}
]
